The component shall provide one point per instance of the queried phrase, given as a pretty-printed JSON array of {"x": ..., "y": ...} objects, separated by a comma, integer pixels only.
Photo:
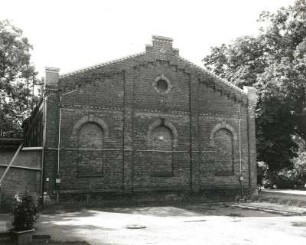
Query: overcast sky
[{"x": 73, "y": 34}]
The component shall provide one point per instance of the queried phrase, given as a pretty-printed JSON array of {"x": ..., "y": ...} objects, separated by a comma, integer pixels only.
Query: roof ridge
[
  {"x": 100, "y": 65},
  {"x": 214, "y": 75}
]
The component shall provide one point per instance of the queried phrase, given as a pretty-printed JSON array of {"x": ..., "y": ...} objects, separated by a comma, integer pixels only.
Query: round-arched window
[
  {"x": 224, "y": 151},
  {"x": 90, "y": 145},
  {"x": 162, "y": 139},
  {"x": 161, "y": 156}
]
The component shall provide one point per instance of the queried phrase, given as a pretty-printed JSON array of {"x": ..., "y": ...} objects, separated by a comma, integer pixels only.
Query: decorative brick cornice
[
  {"x": 224, "y": 115},
  {"x": 165, "y": 112},
  {"x": 228, "y": 84},
  {"x": 101, "y": 65},
  {"x": 93, "y": 80},
  {"x": 90, "y": 107}
]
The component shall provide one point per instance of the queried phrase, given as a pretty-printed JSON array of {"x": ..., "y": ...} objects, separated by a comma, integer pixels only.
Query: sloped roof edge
[
  {"x": 101, "y": 65},
  {"x": 227, "y": 83}
]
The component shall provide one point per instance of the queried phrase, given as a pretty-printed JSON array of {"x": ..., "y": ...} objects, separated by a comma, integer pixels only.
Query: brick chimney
[
  {"x": 162, "y": 42},
  {"x": 52, "y": 77},
  {"x": 161, "y": 45}
]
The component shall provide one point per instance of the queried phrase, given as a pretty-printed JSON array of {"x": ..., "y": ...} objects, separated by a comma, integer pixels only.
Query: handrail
[{"x": 11, "y": 162}]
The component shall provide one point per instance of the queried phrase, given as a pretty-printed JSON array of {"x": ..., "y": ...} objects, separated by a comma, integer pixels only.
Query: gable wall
[{"x": 122, "y": 99}]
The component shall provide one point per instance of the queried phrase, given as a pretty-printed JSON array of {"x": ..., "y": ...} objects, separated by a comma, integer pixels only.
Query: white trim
[{"x": 32, "y": 148}]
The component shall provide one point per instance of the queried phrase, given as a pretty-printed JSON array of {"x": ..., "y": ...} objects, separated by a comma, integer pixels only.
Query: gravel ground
[{"x": 190, "y": 224}]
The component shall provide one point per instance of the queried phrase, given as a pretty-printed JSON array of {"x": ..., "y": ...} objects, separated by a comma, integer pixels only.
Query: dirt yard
[{"x": 192, "y": 224}]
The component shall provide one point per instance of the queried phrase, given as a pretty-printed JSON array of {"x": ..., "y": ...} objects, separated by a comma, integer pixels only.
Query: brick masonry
[
  {"x": 23, "y": 176},
  {"x": 114, "y": 121}
]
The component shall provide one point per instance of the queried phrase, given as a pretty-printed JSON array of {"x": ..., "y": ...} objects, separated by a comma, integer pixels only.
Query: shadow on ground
[
  {"x": 190, "y": 210},
  {"x": 162, "y": 223}
]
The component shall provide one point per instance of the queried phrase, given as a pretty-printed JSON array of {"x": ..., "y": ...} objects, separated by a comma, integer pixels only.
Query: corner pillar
[{"x": 252, "y": 101}]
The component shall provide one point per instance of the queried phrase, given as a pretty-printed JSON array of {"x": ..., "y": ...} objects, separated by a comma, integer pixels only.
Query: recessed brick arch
[
  {"x": 90, "y": 119},
  {"x": 166, "y": 123},
  {"x": 222, "y": 125},
  {"x": 223, "y": 138},
  {"x": 162, "y": 140}
]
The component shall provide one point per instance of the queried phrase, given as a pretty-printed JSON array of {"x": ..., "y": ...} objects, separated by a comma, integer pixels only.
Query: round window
[{"x": 162, "y": 85}]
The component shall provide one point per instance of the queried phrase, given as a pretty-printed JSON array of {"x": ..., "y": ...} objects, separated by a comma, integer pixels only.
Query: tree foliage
[
  {"x": 16, "y": 79},
  {"x": 275, "y": 63}
]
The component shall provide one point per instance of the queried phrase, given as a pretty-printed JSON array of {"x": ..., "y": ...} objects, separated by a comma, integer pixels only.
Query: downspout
[
  {"x": 249, "y": 146},
  {"x": 240, "y": 155},
  {"x": 240, "y": 150},
  {"x": 191, "y": 169},
  {"x": 45, "y": 99},
  {"x": 123, "y": 130},
  {"x": 51, "y": 84},
  {"x": 59, "y": 135},
  {"x": 57, "y": 178}
]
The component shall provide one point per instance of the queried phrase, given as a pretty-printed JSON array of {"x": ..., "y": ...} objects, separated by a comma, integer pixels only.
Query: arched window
[
  {"x": 90, "y": 145},
  {"x": 162, "y": 146},
  {"x": 90, "y": 136},
  {"x": 224, "y": 159}
]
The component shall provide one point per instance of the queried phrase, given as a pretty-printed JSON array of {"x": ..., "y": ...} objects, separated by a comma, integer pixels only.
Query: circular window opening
[{"x": 162, "y": 85}]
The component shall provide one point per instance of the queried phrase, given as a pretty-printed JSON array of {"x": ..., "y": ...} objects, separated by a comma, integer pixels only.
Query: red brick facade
[{"x": 149, "y": 122}]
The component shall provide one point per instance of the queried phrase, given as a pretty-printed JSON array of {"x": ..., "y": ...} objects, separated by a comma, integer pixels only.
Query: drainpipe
[
  {"x": 58, "y": 180},
  {"x": 59, "y": 136},
  {"x": 51, "y": 84},
  {"x": 240, "y": 154},
  {"x": 59, "y": 129},
  {"x": 45, "y": 99},
  {"x": 240, "y": 150}
]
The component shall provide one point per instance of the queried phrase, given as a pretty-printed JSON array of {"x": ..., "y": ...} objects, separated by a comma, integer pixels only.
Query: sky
[{"x": 74, "y": 34}]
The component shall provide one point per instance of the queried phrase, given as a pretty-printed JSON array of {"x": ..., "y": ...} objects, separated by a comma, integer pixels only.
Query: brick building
[{"x": 147, "y": 123}]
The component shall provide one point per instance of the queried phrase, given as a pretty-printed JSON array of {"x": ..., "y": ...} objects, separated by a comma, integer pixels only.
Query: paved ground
[
  {"x": 284, "y": 194},
  {"x": 192, "y": 224},
  {"x": 291, "y": 192}
]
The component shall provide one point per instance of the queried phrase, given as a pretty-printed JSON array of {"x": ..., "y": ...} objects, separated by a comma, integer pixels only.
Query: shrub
[{"x": 25, "y": 212}]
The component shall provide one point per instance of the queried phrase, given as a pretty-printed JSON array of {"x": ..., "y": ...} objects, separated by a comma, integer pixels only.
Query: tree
[
  {"x": 17, "y": 76},
  {"x": 275, "y": 63}
]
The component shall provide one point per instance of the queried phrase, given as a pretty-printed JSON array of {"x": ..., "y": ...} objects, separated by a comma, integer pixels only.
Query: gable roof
[{"x": 162, "y": 49}]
